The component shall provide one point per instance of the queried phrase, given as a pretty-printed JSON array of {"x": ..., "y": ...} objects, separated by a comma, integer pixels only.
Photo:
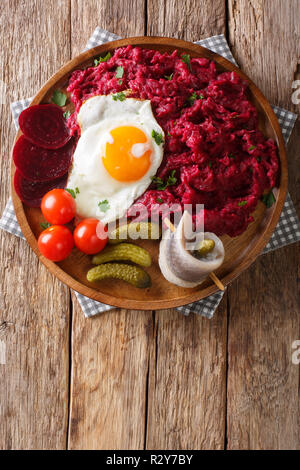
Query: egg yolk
[{"x": 119, "y": 161}]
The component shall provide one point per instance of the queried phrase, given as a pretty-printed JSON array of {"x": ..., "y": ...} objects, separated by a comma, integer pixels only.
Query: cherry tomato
[
  {"x": 56, "y": 242},
  {"x": 90, "y": 236},
  {"x": 58, "y": 207}
]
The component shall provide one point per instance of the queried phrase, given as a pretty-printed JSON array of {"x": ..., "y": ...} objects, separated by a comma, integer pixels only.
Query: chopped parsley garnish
[
  {"x": 119, "y": 72},
  {"x": 252, "y": 148},
  {"x": 191, "y": 99},
  {"x": 230, "y": 155},
  {"x": 242, "y": 203},
  {"x": 102, "y": 59},
  {"x": 169, "y": 77},
  {"x": 172, "y": 179},
  {"x": 258, "y": 159},
  {"x": 119, "y": 96},
  {"x": 45, "y": 225},
  {"x": 268, "y": 199},
  {"x": 59, "y": 98},
  {"x": 104, "y": 205},
  {"x": 67, "y": 114},
  {"x": 157, "y": 137},
  {"x": 159, "y": 199},
  {"x": 120, "y": 82},
  {"x": 77, "y": 190},
  {"x": 73, "y": 192},
  {"x": 209, "y": 164},
  {"x": 159, "y": 182},
  {"x": 161, "y": 185},
  {"x": 186, "y": 60}
]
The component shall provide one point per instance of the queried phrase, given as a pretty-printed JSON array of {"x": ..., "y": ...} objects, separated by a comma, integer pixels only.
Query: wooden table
[{"x": 154, "y": 380}]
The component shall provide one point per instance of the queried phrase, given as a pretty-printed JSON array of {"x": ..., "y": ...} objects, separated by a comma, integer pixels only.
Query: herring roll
[{"x": 189, "y": 267}]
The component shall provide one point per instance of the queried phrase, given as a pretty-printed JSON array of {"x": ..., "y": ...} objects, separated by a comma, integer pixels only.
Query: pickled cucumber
[
  {"x": 135, "y": 230},
  {"x": 205, "y": 247},
  {"x": 125, "y": 272},
  {"x": 123, "y": 252}
]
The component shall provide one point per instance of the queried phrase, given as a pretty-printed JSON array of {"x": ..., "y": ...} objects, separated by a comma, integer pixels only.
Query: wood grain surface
[
  {"x": 130, "y": 379},
  {"x": 263, "y": 384},
  {"x": 35, "y": 307}
]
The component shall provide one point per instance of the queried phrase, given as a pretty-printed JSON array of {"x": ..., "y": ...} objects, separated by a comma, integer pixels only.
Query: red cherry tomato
[
  {"x": 58, "y": 207},
  {"x": 56, "y": 242},
  {"x": 90, "y": 236}
]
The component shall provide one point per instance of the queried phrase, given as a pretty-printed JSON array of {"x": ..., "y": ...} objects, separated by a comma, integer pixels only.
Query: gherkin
[
  {"x": 138, "y": 230},
  {"x": 134, "y": 275},
  {"x": 123, "y": 252}
]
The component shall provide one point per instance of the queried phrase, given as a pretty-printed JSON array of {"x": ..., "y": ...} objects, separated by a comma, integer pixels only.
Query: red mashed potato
[{"x": 212, "y": 141}]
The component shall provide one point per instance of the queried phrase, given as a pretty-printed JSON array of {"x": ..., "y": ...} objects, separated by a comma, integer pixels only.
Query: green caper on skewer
[{"x": 205, "y": 247}]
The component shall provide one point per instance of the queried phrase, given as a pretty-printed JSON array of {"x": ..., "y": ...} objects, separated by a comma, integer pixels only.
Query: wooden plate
[{"x": 240, "y": 251}]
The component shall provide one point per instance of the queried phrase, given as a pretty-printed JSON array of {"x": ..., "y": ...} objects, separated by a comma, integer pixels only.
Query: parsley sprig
[
  {"x": 191, "y": 99},
  {"x": 157, "y": 137},
  {"x": 268, "y": 199},
  {"x": 104, "y": 205},
  {"x": 119, "y": 96},
  {"x": 186, "y": 60},
  {"x": 59, "y": 98},
  {"x": 161, "y": 185},
  {"x": 67, "y": 114},
  {"x": 73, "y": 192},
  {"x": 242, "y": 203},
  {"x": 119, "y": 72},
  {"x": 102, "y": 59}
]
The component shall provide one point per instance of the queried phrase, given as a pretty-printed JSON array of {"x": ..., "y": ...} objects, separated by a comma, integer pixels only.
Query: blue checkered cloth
[{"x": 287, "y": 230}]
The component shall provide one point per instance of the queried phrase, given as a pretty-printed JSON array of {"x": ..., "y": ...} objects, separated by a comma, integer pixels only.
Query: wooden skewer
[{"x": 212, "y": 275}]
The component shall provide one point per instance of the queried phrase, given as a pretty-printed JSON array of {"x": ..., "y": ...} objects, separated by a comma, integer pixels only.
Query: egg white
[{"x": 97, "y": 117}]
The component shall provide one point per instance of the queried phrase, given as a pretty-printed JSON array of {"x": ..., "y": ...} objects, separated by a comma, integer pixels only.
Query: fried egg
[{"x": 118, "y": 153}]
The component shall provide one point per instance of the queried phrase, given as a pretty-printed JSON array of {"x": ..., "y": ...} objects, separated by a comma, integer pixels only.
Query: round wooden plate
[{"x": 240, "y": 251}]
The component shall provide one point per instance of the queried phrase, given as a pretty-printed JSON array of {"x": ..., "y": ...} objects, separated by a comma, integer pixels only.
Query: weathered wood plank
[
  {"x": 191, "y": 19},
  {"x": 263, "y": 384},
  {"x": 34, "y": 308},
  {"x": 109, "y": 378},
  {"x": 110, "y": 353},
  {"x": 187, "y": 386}
]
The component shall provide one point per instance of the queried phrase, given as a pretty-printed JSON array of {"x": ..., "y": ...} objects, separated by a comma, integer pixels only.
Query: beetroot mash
[{"x": 214, "y": 153}]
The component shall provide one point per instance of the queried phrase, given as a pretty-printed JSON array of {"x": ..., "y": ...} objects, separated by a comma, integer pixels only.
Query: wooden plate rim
[{"x": 259, "y": 244}]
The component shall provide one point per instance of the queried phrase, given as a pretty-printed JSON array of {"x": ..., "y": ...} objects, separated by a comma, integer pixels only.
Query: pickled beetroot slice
[
  {"x": 39, "y": 164},
  {"x": 31, "y": 192},
  {"x": 44, "y": 125}
]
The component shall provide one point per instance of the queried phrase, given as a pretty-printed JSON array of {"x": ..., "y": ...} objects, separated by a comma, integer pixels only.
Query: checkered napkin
[{"x": 287, "y": 230}]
